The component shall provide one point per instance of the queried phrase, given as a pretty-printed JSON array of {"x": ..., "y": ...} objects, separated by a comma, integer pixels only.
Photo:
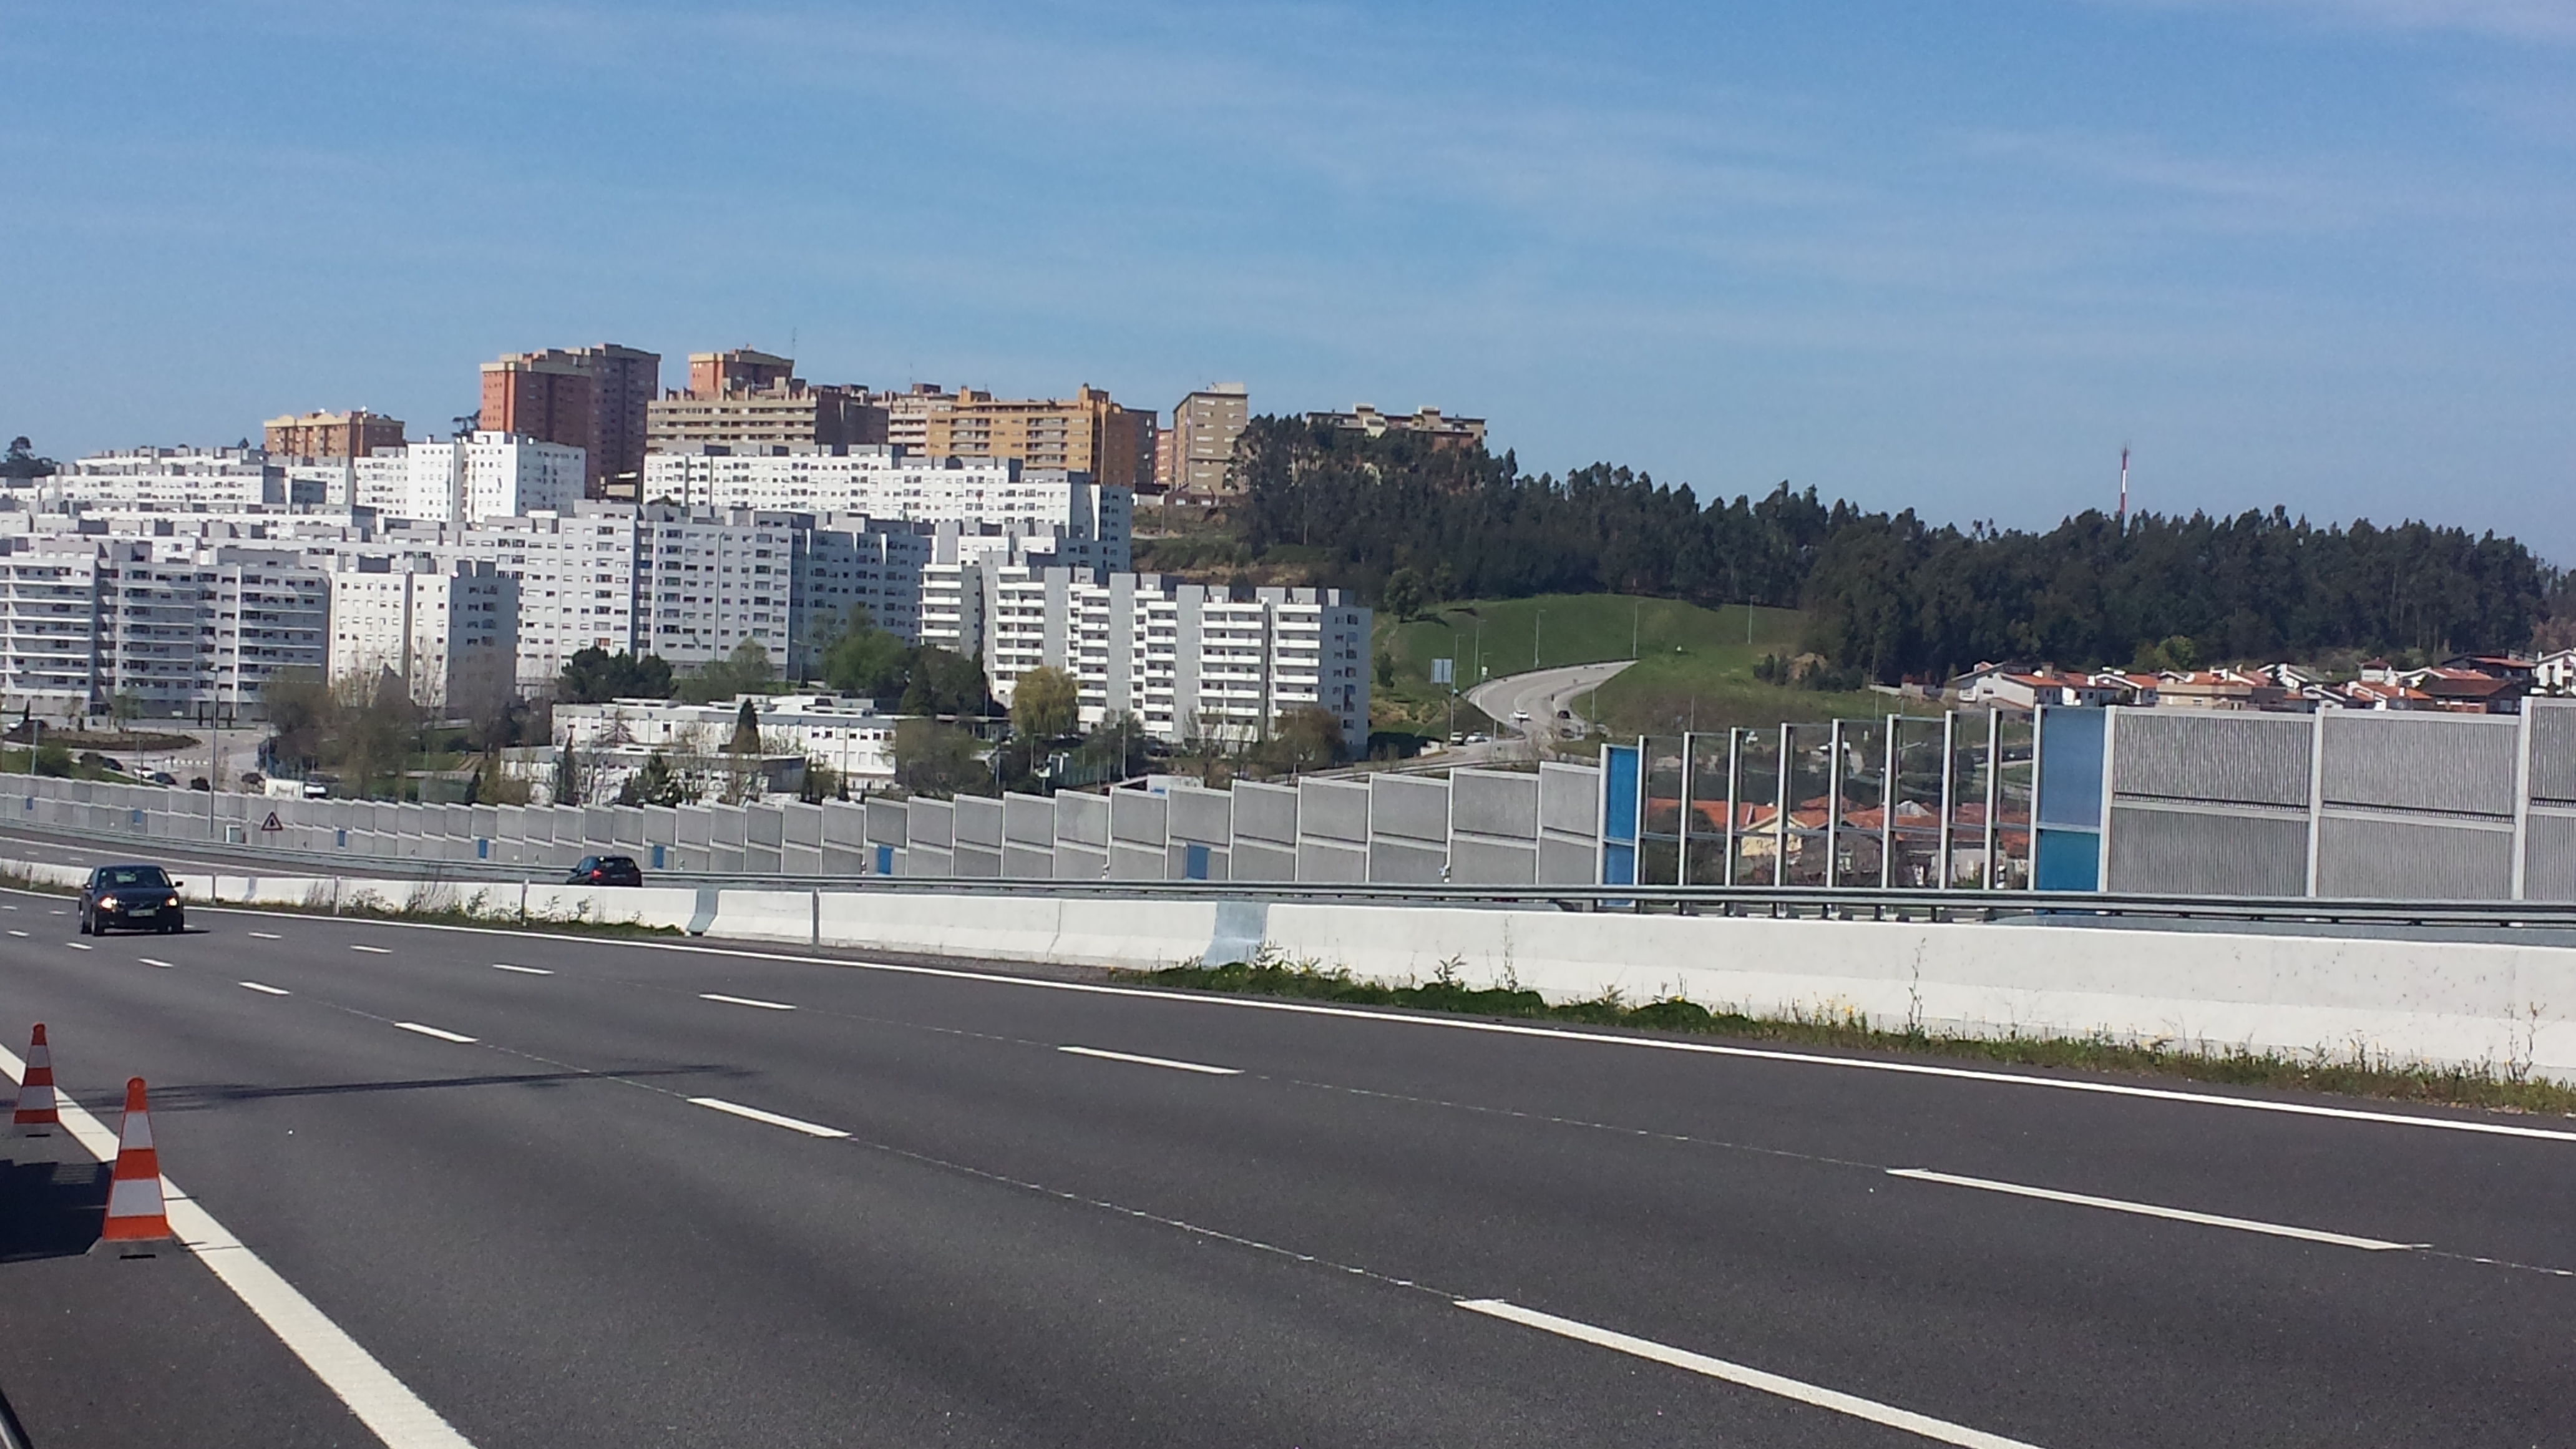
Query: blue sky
[{"x": 2320, "y": 253}]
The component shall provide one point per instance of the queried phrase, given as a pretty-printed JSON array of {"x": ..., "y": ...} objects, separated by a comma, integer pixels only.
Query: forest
[{"x": 1887, "y": 594}]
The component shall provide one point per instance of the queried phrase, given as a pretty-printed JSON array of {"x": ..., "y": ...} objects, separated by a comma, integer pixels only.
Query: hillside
[{"x": 1695, "y": 666}]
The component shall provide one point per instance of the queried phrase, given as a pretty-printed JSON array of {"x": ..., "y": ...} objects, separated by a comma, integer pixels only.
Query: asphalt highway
[{"x": 576, "y": 1191}]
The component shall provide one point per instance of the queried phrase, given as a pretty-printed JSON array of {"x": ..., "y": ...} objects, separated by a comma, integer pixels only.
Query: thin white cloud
[{"x": 2549, "y": 20}]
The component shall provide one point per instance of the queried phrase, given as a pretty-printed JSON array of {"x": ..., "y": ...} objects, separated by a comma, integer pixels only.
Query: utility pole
[
  {"x": 1636, "y": 622},
  {"x": 1540, "y": 618}
]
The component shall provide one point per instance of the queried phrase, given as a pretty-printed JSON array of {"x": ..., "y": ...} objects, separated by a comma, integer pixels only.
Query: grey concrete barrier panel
[
  {"x": 1257, "y": 861},
  {"x": 764, "y": 825},
  {"x": 979, "y": 862},
  {"x": 1083, "y": 820},
  {"x": 2242, "y": 759},
  {"x": 697, "y": 827},
  {"x": 1075, "y": 861},
  {"x": 931, "y": 823},
  {"x": 1335, "y": 812},
  {"x": 1329, "y": 862},
  {"x": 1569, "y": 824},
  {"x": 1409, "y": 809},
  {"x": 845, "y": 860},
  {"x": 930, "y": 862},
  {"x": 626, "y": 827},
  {"x": 801, "y": 824},
  {"x": 1028, "y": 821},
  {"x": 486, "y": 823},
  {"x": 1203, "y": 816},
  {"x": 510, "y": 822},
  {"x": 1139, "y": 820},
  {"x": 1265, "y": 815},
  {"x": 803, "y": 860},
  {"x": 764, "y": 859},
  {"x": 599, "y": 827},
  {"x": 726, "y": 825},
  {"x": 1024, "y": 862},
  {"x": 978, "y": 823},
  {"x": 889, "y": 823},
  {"x": 661, "y": 825},
  {"x": 845, "y": 824}
]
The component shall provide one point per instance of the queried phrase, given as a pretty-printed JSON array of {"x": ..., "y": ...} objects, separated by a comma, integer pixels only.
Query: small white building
[
  {"x": 2555, "y": 672},
  {"x": 846, "y": 734}
]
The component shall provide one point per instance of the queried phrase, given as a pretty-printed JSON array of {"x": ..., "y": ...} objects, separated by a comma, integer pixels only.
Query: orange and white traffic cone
[
  {"x": 36, "y": 1093},
  {"x": 134, "y": 1209}
]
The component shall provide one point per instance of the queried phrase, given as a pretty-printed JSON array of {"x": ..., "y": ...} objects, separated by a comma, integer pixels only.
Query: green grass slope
[{"x": 1694, "y": 666}]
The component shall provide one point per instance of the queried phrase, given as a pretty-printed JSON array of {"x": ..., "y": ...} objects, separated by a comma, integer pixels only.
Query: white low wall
[{"x": 2503, "y": 1006}]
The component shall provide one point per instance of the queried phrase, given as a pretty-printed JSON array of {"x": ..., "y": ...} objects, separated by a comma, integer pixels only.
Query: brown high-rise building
[
  {"x": 1086, "y": 433},
  {"x": 712, "y": 374},
  {"x": 747, "y": 401},
  {"x": 1204, "y": 427},
  {"x": 354, "y": 434},
  {"x": 592, "y": 398}
]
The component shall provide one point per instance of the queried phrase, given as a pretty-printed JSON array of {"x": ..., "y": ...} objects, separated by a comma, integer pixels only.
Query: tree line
[{"x": 1887, "y": 594}]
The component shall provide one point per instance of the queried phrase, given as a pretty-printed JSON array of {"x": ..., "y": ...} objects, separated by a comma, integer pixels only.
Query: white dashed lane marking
[
  {"x": 810, "y": 1129},
  {"x": 744, "y": 1001},
  {"x": 1108, "y": 1056},
  {"x": 148, "y": 961},
  {"x": 263, "y": 935},
  {"x": 374, "y": 950},
  {"x": 522, "y": 970},
  {"x": 434, "y": 1031},
  {"x": 264, "y": 990}
]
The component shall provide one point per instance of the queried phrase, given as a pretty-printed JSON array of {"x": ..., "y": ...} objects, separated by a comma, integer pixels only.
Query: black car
[
  {"x": 606, "y": 870},
  {"x": 130, "y": 897}
]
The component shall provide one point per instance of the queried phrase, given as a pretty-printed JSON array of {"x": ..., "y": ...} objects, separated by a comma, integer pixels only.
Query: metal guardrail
[{"x": 1806, "y": 902}]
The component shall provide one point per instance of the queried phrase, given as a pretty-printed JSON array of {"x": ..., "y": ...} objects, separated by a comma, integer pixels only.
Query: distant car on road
[
  {"x": 1520, "y": 716},
  {"x": 132, "y": 898},
  {"x": 606, "y": 870},
  {"x": 162, "y": 777}
]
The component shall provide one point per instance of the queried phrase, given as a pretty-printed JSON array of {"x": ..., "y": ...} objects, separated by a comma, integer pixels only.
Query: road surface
[
  {"x": 1540, "y": 694},
  {"x": 576, "y": 1191}
]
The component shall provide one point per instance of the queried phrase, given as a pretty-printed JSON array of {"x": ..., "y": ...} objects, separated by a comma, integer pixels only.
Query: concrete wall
[{"x": 2506, "y": 1006}]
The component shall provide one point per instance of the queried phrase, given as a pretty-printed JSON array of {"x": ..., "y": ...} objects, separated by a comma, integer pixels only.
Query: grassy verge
[{"x": 2352, "y": 1074}]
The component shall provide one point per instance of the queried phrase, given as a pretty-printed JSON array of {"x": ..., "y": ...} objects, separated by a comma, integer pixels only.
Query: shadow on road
[
  {"x": 199, "y": 1097},
  {"x": 50, "y": 1209}
]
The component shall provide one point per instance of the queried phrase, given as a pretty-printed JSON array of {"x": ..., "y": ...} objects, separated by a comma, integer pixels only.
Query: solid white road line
[
  {"x": 80, "y": 945},
  {"x": 270, "y": 990},
  {"x": 1083, "y": 1051},
  {"x": 148, "y": 961},
  {"x": 810, "y": 1129},
  {"x": 2150, "y": 1210},
  {"x": 374, "y": 950},
  {"x": 1566, "y": 1034},
  {"x": 434, "y": 1031},
  {"x": 262, "y": 935},
  {"x": 1938, "y": 1430},
  {"x": 17, "y": 933},
  {"x": 385, "y": 1404},
  {"x": 522, "y": 970},
  {"x": 744, "y": 1001}
]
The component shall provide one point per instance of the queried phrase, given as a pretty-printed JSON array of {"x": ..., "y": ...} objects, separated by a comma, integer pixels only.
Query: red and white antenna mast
[{"x": 2123, "y": 514}]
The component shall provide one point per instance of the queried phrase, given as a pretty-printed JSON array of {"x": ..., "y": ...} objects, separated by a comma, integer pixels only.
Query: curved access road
[{"x": 1540, "y": 693}]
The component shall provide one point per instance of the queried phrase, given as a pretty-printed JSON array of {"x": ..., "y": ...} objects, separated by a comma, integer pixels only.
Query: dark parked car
[
  {"x": 606, "y": 870},
  {"x": 130, "y": 897}
]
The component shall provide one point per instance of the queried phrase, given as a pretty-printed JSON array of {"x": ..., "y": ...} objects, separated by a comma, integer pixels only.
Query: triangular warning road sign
[{"x": 271, "y": 823}]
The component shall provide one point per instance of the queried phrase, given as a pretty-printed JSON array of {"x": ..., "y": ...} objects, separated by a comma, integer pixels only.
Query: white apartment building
[
  {"x": 184, "y": 480},
  {"x": 208, "y": 627},
  {"x": 49, "y": 611},
  {"x": 486, "y": 475},
  {"x": 429, "y": 622},
  {"x": 1182, "y": 660},
  {"x": 705, "y": 583},
  {"x": 1096, "y": 522},
  {"x": 844, "y": 733},
  {"x": 846, "y": 562},
  {"x": 575, "y": 570}
]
